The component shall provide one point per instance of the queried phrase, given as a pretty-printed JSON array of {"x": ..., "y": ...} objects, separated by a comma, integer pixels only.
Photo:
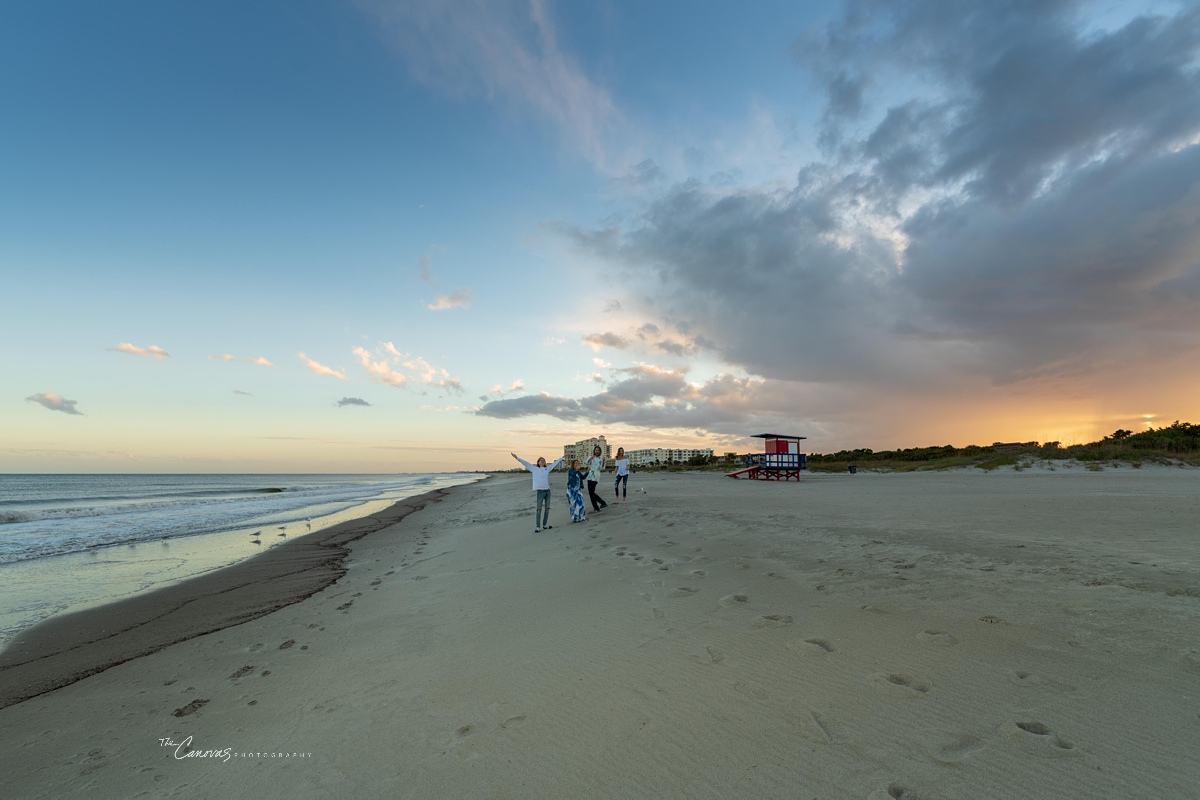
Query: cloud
[
  {"x": 389, "y": 366},
  {"x": 642, "y": 177},
  {"x": 379, "y": 370},
  {"x": 352, "y": 401},
  {"x": 1008, "y": 195},
  {"x": 598, "y": 341},
  {"x": 516, "y": 386},
  {"x": 55, "y": 402},
  {"x": 531, "y": 405},
  {"x": 262, "y": 362},
  {"x": 244, "y": 394},
  {"x": 508, "y": 52},
  {"x": 321, "y": 369},
  {"x": 652, "y": 397},
  {"x": 153, "y": 351},
  {"x": 459, "y": 298},
  {"x": 431, "y": 375}
]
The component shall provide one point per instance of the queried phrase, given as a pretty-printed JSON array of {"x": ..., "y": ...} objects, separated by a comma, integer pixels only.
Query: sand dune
[{"x": 959, "y": 635}]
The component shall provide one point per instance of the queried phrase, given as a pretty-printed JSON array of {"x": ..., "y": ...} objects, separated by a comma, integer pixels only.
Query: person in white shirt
[
  {"x": 622, "y": 464},
  {"x": 541, "y": 485}
]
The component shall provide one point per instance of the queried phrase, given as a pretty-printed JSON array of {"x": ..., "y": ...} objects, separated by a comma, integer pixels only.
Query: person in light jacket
[
  {"x": 595, "y": 466},
  {"x": 541, "y": 485}
]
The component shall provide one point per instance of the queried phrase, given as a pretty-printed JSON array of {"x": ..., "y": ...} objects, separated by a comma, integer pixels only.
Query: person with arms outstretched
[{"x": 541, "y": 485}]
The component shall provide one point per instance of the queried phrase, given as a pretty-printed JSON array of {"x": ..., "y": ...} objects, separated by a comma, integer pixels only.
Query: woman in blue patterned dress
[{"x": 575, "y": 493}]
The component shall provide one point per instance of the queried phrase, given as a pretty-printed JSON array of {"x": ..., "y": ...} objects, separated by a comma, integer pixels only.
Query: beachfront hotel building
[
  {"x": 637, "y": 458},
  {"x": 663, "y": 455},
  {"x": 583, "y": 450}
]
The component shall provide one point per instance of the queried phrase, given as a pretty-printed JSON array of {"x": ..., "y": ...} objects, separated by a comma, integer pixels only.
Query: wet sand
[{"x": 73, "y": 646}]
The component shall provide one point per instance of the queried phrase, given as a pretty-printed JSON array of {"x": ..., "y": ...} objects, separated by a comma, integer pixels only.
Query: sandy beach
[{"x": 926, "y": 635}]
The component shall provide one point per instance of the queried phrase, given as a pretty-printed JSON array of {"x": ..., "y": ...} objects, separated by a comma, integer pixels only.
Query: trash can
[{"x": 853, "y": 469}]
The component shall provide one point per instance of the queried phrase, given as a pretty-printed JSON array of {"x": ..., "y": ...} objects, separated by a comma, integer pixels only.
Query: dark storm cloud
[{"x": 1010, "y": 192}]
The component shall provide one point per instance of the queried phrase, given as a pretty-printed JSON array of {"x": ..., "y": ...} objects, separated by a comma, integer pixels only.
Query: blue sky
[{"x": 377, "y": 236}]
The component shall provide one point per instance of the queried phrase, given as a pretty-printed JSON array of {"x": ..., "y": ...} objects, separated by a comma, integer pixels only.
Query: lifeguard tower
[{"x": 781, "y": 461}]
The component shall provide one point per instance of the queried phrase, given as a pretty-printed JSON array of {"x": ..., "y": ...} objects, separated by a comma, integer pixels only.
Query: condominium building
[
  {"x": 637, "y": 458},
  {"x": 583, "y": 450},
  {"x": 663, "y": 455}
]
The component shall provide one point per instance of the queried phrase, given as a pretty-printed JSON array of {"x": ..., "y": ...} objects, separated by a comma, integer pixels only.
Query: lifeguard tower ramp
[{"x": 781, "y": 461}]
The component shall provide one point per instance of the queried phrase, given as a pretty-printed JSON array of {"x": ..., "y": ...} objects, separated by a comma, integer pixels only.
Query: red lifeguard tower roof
[{"x": 777, "y": 436}]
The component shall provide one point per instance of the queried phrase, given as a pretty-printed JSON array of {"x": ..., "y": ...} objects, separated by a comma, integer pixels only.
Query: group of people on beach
[{"x": 576, "y": 477}]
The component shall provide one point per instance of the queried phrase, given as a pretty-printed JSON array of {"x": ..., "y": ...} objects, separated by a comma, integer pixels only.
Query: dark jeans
[
  {"x": 597, "y": 501},
  {"x": 625, "y": 480}
]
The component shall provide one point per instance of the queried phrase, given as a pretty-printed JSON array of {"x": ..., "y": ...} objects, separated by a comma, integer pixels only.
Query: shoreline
[{"x": 70, "y": 647}]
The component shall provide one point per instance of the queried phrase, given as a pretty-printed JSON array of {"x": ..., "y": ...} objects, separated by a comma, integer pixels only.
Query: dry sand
[{"x": 955, "y": 635}]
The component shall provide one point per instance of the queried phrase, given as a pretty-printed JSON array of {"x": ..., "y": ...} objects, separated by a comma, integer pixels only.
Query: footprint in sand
[
  {"x": 513, "y": 722},
  {"x": 1030, "y": 680},
  {"x": 699, "y": 573},
  {"x": 812, "y": 646},
  {"x": 940, "y": 638},
  {"x": 895, "y": 791},
  {"x": 751, "y": 691},
  {"x": 682, "y": 591},
  {"x": 1037, "y": 739},
  {"x": 377, "y": 581},
  {"x": 287, "y": 644},
  {"x": 819, "y": 729},
  {"x": 658, "y": 613},
  {"x": 711, "y": 655},
  {"x": 733, "y": 600},
  {"x": 344, "y": 606},
  {"x": 190, "y": 708},
  {"x": 899, "y": 685},
  {"x": 956, "y": 748},
  {"x": 773, "y": 621},
  {"x": 242, "y": 672}
]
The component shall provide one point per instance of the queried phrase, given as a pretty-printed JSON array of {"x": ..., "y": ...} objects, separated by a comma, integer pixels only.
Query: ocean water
[{"x": 72, "y": 541}]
